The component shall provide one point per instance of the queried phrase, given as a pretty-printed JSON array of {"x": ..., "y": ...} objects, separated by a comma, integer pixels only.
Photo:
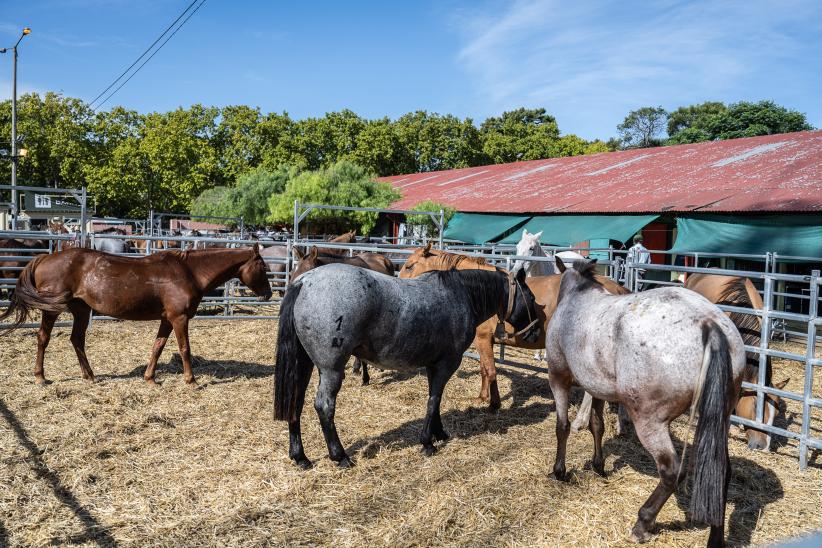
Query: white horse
[{"x": 529, "y": 246}]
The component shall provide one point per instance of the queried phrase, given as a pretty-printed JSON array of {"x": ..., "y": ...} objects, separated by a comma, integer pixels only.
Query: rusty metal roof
[{"x": 771, "y": 173}]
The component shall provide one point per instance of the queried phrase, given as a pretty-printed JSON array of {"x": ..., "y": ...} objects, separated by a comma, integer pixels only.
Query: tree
[
  {"x": 694, "y": 117},
  {"x": 434, "y": 142},
  {"x": 522, "y": 134},
  {"x": 215, "y": 202},
  {"x": 238, "y": 142},
  {"x": 343, "y": 183},
  {"x": 426, "y": 221},
  {"x": 379, "y": 149},
  {"x": 643, "y": 127},
  {"x": 745, "y": 119}
]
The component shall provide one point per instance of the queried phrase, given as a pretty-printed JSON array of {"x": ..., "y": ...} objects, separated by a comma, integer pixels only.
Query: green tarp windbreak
[
  {"x": 567, "y": 230},
  {"x": 476, "y": 228},
  {"x": 797, "y": 234}
]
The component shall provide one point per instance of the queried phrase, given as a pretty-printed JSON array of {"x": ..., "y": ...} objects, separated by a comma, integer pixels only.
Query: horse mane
[
  {"x": 588, "y": 271},
  {"x": 735, "y": 293},
  {"x": 454, "y": 260},
  {"x": 484, "y": 296}
]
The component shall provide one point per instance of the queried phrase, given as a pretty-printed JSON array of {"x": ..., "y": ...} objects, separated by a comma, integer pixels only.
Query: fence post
[
  {"x": 83, "y": 213},
  {"x": 442, "y": 226},
  {"x": 810, "y": 349},
  {"x": 296, "y": 219},
  {"x": 764, "y": 340},
  {"x": 289, "y": 247}
]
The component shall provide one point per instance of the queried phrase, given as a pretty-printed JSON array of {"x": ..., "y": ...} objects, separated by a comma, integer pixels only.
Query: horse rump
[
  {"x": 26, "y": 298},
  {"x": 292, "y": 360},
  {"x": 711, "y": 461}
]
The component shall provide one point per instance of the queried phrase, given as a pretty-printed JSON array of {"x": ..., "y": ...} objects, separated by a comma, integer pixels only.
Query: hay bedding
[{"x": 121, "y": 462}]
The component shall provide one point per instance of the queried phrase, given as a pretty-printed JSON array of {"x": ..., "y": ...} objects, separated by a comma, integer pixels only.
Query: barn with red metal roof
[{"x": 762, "y": 193}]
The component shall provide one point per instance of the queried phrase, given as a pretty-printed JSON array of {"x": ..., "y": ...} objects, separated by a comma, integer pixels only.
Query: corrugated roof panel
[{"x": 770, "y": 173}]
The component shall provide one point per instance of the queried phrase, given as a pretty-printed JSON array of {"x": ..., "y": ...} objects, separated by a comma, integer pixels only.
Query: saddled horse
[
  {"x": 337, "y": 311},
  {"x": 370, "y": 261},
  {"x": 529, "y": 246},
  {"x": 166, "y": 286},
  {"x": 544, "y": 288},
  {"x": 739, "y": 292},
  {"x": 658, "y": 353}
]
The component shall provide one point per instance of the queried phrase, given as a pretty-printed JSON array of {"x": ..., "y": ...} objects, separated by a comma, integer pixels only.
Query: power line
[{"x": 145, "y": 53}]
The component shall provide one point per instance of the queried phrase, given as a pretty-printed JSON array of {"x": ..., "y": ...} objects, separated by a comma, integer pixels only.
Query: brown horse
[
  {"x": 8, "y": 268},
  {"x": 315, "y": 259},
  {"x": 544, "y": 288},
  {"x": 740, "y": 292},
  {"x": 166, "y": 286}
]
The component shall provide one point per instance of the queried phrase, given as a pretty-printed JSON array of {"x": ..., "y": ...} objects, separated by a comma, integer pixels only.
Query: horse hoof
[
  {"x": 192, "y": 384},
  {"x": 561, "y": 474},
  {"x": 40, "y": 380},
  {"x": 365, "y": 382},
  {"x": 428, "y": 450},
  {"x": 442, "y": 435},
  {"x": 303, "y": 464},
  {"x": 345, "y": 462},
  {"x": 599, "y": 469},
  {"x": 639, "y": 534}
]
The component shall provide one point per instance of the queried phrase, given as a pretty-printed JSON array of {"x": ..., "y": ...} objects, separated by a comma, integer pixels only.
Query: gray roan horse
[
  {"x": 338, "y": 310},
  {"x": 658, "y": 353}
]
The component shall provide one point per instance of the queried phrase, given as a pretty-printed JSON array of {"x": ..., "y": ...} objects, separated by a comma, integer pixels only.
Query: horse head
[
  {"x": 521, "y": 310},
  {"x": 415, "y": 264},
  {"x": 528, "y": 246},
  {"x": 254, "y": 274},
  {"x": 746, "y": 408},
  {"x": 305, "y": 262}
]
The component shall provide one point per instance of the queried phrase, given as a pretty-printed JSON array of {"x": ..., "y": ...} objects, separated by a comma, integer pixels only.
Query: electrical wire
[{"x": 144, "y": 54}]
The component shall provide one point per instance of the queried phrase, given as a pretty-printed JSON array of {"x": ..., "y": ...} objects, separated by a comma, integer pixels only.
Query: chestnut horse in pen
[
  {"x": 544, "y": 288},
  {"x": 166, "y": 286}
]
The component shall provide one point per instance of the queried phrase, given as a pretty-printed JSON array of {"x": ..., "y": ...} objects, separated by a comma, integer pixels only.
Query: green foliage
[
  {"x": 745, "y": 119},
  {"x": 522, "y": 134},
  {"x": 425, "y": 220},
  {"x": 643, "y": 127},
  {"x": 696, "y": 117},
  {"x": 215, "y": 202},
  {"x": 344, "y": 183}
]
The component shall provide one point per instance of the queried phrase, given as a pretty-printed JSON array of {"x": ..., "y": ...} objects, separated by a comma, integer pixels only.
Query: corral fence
[{"x": 232, "y": 303}]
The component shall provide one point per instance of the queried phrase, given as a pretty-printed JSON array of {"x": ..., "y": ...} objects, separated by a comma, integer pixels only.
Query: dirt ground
[{"x": 121, "y": 463}]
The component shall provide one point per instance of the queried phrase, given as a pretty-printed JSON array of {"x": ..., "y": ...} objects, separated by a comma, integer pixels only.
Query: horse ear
[
  {"x": 297, "y": 253},
  {"x": 558, "y": 262},
  {"x": 537, "y": 235},
  {"x": 312, "y": 255},
  {"x": 354, "y": 233},
  {"x": 426, "y": 252},
  {"x": 256, "y": 249},
  {"x": 524, "y": 232},
  {"x": 592, "y": 262},
  {"x": 781, "y": 385},
  {"x": 521, "y": 275}
]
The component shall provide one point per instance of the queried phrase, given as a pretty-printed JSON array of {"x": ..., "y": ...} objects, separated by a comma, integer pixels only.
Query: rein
[{"x": 513, "y": 283}]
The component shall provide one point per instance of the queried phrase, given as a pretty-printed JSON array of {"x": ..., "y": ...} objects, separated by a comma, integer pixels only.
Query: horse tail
[
  {"x": 292, "y": 361},
  {"x": 711, "y": 461},
  {"x": 26, "y": 298}
]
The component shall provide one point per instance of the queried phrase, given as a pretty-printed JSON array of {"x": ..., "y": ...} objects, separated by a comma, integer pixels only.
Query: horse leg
[
  {"x": 597, "y": 429},
  {"x": 82, "y": 315},
  {"x": 180, "y": 325},
  {"x": 43, "y": 338},
  {"x": 366, "y": 378},
  {"x": 489, "y": 391},
  {"x": 561, "y": 388},
  {"x": 325, "y": 403},
  {"x": 432, "y": 428},
  {"x": 623, "y": 422},
  {"x": 295, "y": 436},
  {"x": 656, "y": 438},
  {"x": 583, "y": 417},
  {"x": 159, "y": 343}
]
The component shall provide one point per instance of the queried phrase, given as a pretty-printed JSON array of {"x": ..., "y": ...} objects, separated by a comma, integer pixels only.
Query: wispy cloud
[{"x": 589, "y": 60}]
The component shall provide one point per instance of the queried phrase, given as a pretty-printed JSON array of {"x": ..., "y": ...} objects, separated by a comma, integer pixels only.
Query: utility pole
[{"x": 14, "y": 156}]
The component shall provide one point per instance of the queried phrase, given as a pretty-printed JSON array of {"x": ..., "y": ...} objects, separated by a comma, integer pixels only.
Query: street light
[{"x": 14, "y": 156}]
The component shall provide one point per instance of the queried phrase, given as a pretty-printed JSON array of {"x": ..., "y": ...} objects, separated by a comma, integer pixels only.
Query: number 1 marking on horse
[{"x": 339, "y": 322}]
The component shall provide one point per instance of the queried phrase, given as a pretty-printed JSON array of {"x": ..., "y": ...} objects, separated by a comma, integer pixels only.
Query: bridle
[{"x": 513, "y": 284}]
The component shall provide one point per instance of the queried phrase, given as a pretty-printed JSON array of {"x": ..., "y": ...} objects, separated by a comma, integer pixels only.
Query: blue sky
[{"x": 587, "y": 63}]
